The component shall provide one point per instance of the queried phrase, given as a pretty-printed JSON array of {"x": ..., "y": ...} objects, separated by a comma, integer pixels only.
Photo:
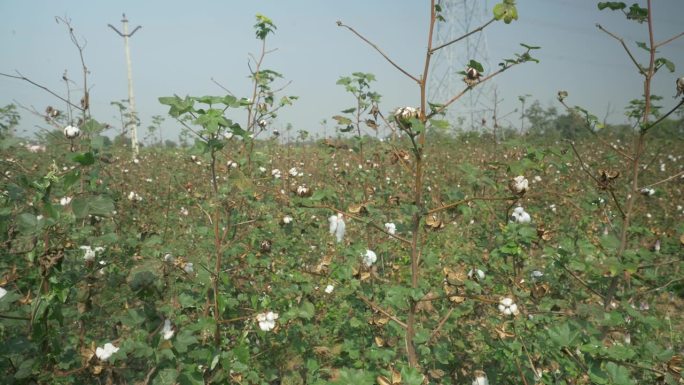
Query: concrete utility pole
[{"x": 131, "y": 97}]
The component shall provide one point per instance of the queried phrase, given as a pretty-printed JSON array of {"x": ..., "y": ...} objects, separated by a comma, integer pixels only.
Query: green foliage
[
  {"x": 263, "y": 27},
  {"x": 9, "y": 119}
]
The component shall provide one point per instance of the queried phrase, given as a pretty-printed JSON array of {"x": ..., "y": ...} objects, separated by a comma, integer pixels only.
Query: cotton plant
[{"x": 337, "y": 226}]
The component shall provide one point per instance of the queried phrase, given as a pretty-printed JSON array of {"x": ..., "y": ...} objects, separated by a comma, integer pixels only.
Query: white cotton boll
[
  {"x": 90, "y": 253},
  {"x": 168, "y": 330},
  {"x": 262, "y": 169},
  {"x": 189, "y": 267},
  {"x": 293, "y": 172},
  {"x": 287, "y": 219},
  {"x": 71, "y": 132},
  {"x": 133, "y": 196},
  {"x": 369, "y": 258},
  {"x": 3, "y": 292},
  {"x": 518, "y": 185},
  {"x": 391, "y": 228},
  {"x": 536, "y": 274},
  {"x": 276, "y": 173},
  {"x": 184, "y": 211},
  {"x": 64, "y": 201},
  {"x": 476, "y": 273},
  {"x": 333, "y": 223},
  {"x": 508, "y": 307},
  {"x": 341, "y": 227},
  {"x": 267, "y": 320},
  {"x": 480, "y": 379},
  {"x": 524, "y": 218},
  {"x": 329, "y": 289},
  {"x": 103, "y": 353}
]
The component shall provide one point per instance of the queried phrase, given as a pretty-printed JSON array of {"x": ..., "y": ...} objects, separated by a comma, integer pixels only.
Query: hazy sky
[{"x": 183, "y": 45}]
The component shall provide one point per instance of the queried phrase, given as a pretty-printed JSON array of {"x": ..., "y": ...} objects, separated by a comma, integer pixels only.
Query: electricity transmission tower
[
  {"x": 462, "y": 16},
  {"x": 131, "y": 98}
]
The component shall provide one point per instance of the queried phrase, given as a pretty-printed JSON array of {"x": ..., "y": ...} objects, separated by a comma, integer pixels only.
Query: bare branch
[
  {"x": 379, "y": 309},
  {"x": 681, "y": 102},
  {"x": 222, "y": 87},
  {"x": 675, "y": 37},
  {"x": 622, "y": 41},
  {"x": 415, "y": 79},
  {"x": 478, "y": 29},
  {"x": 22, "y": 77},
  {"x": 664, "y": 180},
  {"x": 460, "y": 94}
]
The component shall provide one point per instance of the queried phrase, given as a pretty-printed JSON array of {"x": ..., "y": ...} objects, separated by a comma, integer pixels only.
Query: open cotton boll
[
  {"x": 3, "y": 292},
  {"x": 329, "y": 289},
  {"x": 369, "y": 258},
  {"x": 480, "y": 378},
  {"x": 103, "y": 353},
  {"x": 267, "y": 321},
  {"x": 337, "y": 226},
  {"x": 508, "y": 307},
  {"x": 476, "y": 273},
  {"x": 391, "y": 228},
  {"x": 71, "y": 132},
  {"x": 168, "y": 330},
  {"x": 518, "y": 185}
]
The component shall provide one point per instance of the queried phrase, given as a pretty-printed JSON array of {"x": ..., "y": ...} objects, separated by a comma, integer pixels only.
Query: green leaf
[
  {"x": 184, "y": 340},
  {"x": 642, "y": 45},
  {"x": 562, "y": 335},
  {"x": 92, "y": 125},
  {"x": 411, "y": 376},
  {"x": 28, "y": 224},
  {"x": 306, "y": 310},
  {"x": 612, "y": 5},
  {"x": 619, "y": 375},
  {"x": 342, "y": 120},
  {"x": 85, "y": 159},
  {"x": 354, "y": 376},
  {"x": 659, "y": 62},
  {"x": 177, "y": 105},
  {"x": 475, "y": 64},
  {"x": 98, "y": 205},
  {"x": 165, "y": 377}
]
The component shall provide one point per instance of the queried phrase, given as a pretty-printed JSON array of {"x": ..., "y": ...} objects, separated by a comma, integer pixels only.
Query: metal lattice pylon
[{"x": 461, "y": 17}]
